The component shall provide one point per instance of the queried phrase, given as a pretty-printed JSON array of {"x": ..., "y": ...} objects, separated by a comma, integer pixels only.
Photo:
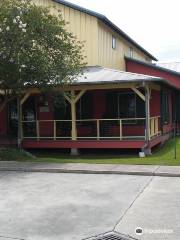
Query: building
[{"x": 123, "y": 100}]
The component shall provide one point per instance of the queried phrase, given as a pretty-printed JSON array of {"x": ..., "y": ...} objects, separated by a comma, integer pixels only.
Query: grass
[
  {"x": 163, "y": 156},
  {"x": 10, "y": 154}
]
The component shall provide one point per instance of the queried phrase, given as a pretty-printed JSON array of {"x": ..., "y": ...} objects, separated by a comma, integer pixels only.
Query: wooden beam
[
  {"x": 80, "y": 87},
  {"x": 99, "y": 86},
  {"x": 138, "y": 93},
  {"x": 67, "y": 98},
  {"x": 25, "y": 97},
  {"x": 79, "y": 95},
  {"x": 155, "y": 86},
  {"x": 2, "y": 106}
]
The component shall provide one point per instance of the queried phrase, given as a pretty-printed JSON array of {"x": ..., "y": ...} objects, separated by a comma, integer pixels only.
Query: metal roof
[
  {"x": 105, "y": 20},
  {"x": 100, "y": 75},
  {"x": 174, "y": 66}
]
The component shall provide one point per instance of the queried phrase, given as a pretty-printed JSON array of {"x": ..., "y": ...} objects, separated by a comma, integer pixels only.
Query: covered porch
[{"x": 104, "y": 109}]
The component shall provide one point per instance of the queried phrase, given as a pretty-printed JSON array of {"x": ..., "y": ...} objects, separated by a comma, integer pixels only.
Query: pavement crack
[
  {"x": 156, "y": 170},
  {"x": 132, "y": 203}
]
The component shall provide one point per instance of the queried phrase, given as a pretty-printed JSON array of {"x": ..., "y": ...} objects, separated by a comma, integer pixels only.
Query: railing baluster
[
  {"x": 98, "y": 129},
  {"x": 54, "y": 129},
  {"x": 120, "y": 128},
  {"x": 37, "y": 129}
]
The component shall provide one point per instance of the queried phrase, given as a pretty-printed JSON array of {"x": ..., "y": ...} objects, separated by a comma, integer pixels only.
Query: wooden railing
[
  {"x": 94, "y": 129},
  {"x": 155, "y": 126}
]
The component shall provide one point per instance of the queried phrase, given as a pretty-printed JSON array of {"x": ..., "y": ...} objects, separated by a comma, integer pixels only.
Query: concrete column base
[
  {"x": 74, "y": 152},
  {"x": 147, "y": 151}
]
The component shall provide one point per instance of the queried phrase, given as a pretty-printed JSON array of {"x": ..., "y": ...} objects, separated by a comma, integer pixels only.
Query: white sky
[{"x": 154, "y": 24}]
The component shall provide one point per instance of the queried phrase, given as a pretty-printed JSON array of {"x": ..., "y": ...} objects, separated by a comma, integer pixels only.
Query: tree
[{"x": 36, "y": 50}]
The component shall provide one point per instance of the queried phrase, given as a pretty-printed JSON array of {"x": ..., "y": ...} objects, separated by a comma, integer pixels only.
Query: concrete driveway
[{"x": 53, "y": 206}]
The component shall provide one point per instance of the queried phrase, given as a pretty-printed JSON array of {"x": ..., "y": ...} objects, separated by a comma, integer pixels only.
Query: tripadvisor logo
[{"x": 139, "y": 231}]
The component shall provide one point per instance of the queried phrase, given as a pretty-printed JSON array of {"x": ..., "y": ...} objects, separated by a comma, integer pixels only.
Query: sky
[{"x": 154, "y": 24}]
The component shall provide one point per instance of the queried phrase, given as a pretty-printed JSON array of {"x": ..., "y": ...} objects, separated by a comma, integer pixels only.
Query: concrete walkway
[{"x": 143, "y": 170}]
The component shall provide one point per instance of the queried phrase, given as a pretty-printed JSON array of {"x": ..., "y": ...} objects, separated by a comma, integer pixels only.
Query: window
[
  {"x": 113, "y": 42},
  {"x": 123, "y": 105},
  {"x": 131, "y": 52},
  {"x": 126, "y": 105},
  {"x": 62, "y": 110},
  {"x": 84, "y": 106}
]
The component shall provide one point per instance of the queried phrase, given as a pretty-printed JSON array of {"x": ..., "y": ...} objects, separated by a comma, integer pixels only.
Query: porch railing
[
  {"x": 92, "y": 129},
  {"x": 155, "y": 126}
]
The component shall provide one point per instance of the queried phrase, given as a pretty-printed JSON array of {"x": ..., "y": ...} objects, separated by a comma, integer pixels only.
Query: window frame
[
  {"x": 114, "y": 42},
  {"x": 131, "y": 52}
]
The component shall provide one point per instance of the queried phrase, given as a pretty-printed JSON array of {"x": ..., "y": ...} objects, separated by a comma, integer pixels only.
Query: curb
[{"x": 157, "y": 174}]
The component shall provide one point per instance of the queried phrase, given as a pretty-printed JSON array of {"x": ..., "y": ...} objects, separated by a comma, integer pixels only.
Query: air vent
[{"x": 111, "y": 236}]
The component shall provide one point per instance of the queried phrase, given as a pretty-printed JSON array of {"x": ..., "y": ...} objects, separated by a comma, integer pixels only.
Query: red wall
[
  {"x": 135, "y": 67},
  {"x": 45, "y": 128},
  {"x": 155, "y": 106}
]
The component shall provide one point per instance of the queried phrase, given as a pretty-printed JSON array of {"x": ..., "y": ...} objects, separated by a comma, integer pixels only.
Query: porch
[{"x": 105, "y": 108}]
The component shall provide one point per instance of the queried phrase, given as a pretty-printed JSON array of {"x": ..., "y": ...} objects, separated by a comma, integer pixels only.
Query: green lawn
[{"x": 163, "y": 156}]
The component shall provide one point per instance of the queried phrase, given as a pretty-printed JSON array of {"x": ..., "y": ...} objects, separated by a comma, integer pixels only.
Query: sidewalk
[{"x": 144, "y": 170}]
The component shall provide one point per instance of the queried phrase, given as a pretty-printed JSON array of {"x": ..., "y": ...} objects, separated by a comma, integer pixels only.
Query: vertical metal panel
[
  {"x": 82, "y": 25},
  {"x": 97, "y": 37},
  {"x": 114, "y": 58}
]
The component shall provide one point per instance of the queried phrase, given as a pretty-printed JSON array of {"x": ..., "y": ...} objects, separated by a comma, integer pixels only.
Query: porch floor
[{"x": 121, "y": 144}]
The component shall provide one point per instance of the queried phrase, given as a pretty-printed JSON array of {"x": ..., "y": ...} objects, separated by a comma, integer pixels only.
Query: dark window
[
  {"x": 176, "y": 108},
  {"x": 165, "y": 106},
  {"x": 62, "y": 110},
  {"x": 126, "y": 105},
  {"x": 12, "y": 118},
  {"x": 84, "y": 106}
]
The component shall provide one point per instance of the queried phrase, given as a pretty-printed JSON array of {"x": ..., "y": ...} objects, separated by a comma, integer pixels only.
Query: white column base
[{"x": 74, "y": 152}]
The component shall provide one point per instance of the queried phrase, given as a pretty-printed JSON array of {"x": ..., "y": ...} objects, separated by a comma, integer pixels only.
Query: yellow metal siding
[
  {"x": 114, "y": 58},
  {"x": 82, "y": 25},
  {"x": 97, "y": 37}
]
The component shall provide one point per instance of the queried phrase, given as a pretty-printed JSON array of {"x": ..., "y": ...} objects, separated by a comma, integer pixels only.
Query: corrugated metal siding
[
  {"x": 82, "y": 25},
  {"x": 97, "y": 37},
  {"x": 114, "y": 58}
]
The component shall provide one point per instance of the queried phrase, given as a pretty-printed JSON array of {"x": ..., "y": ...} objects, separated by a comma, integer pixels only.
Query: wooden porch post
[
  {"x": 73, "y": 116},
  {"x": 72, "y": 99},
  {"x": 20, "y": 127},
  {"x": 147, "y": 124}
]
